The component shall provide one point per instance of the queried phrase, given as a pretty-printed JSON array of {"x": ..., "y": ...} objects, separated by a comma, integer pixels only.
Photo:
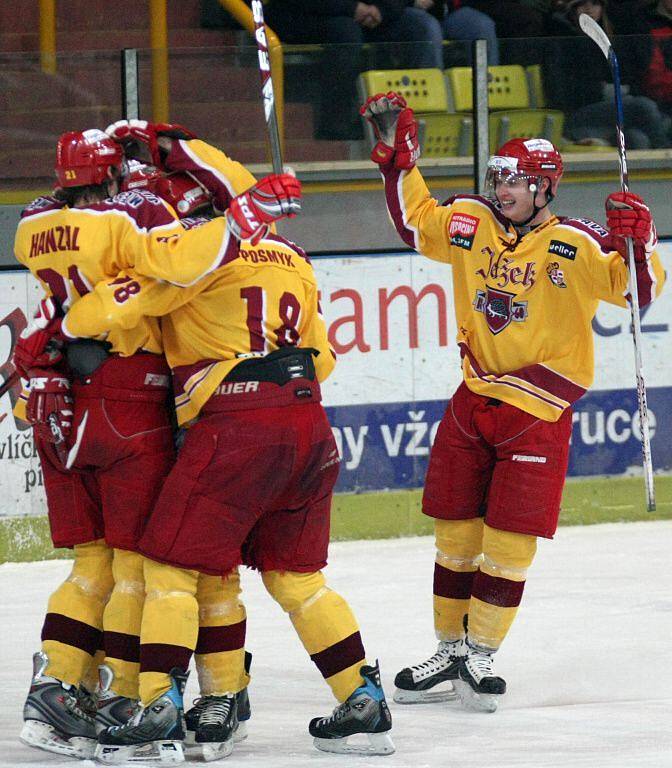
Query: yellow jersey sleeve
[
  {"x": 609, "y": 274},
  {"x": 123, "y": 303},
  {"x": 182, "y": 258},
  {"x": 222, "y": 176}
]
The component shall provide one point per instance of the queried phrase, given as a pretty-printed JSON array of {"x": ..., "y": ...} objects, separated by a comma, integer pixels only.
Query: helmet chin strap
[{"x": 524, "y": 225}]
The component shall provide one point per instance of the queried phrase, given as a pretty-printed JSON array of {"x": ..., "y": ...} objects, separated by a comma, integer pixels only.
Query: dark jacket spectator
[
  {"x": 577, "y": 80},
  {"x": 343, "y": 26}
]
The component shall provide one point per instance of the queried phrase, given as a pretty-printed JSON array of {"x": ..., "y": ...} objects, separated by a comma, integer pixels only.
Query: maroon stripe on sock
[
  {"x": 340, "y": 656},
  {"x": 119, "y": 645},
  {"x": 71, "y": 632},
  {"x": 501, "y": 592},
  {"x": 217, "y": 639},
  {"x": 453, "y": 584},
  {"x": 161, "y": 657}
]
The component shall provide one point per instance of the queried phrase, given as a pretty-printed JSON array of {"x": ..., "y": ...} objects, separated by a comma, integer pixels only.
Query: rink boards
[{"x": 390, "y": 320}]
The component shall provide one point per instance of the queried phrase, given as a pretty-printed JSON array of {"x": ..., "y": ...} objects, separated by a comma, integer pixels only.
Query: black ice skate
[
  {"x": 243, "y": 708},
  {"x": 365, "y": 711},
  {"x": 111, "y": 709},
  {"x": 432, "y": 680},
  {"x": 214, "y": 726},
  {"x": 478, "y": 686},
  {"x": 155, "y": 732},
  {"x": 53, "y": 717}
]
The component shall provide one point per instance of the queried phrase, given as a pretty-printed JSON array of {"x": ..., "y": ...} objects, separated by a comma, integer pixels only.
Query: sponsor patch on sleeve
[
  {"x": 462, "y": 229},
  {"x": 565, "y": 250}
]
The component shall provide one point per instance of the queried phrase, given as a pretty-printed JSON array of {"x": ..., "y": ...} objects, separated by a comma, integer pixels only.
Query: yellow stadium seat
[
  {"x": 523, "y": 123},
  {"x": 440, "y": 134},
  {"x": 535, "y": 86},
  {"x": 507, "y": 88},
  {"x": 423, "y": 89},
  {"x": 447, "y": 135}
]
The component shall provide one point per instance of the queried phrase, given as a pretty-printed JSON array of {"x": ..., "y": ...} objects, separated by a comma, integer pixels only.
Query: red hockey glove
[
  {"x": 132, "y": 133},
  {"x": 395, "y": 128},
  {"x": 49, "y": 407},
  {"x": 274, "y": 197},
  {"x": 38, "y": 344},
  {"x": 629, "y": 216}
]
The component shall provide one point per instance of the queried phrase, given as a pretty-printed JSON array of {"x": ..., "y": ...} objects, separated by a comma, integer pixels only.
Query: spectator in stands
[
  {"x": 344, "y": 26},
  {"x": 578, "y": 81},
  {"x": 654, "y": 20},
  {"x": 516, "y": 19},
  {"x": 461, "y": 22}
]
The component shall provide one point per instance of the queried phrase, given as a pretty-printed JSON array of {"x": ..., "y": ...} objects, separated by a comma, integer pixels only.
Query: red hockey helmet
[
  {"x": 530, "y": 159},
  {"x": 180, "y": 189},
  {"x": 84, "y": 157}
]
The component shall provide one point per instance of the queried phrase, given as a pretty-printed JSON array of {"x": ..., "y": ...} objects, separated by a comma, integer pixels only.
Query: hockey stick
[
  {"x": 599, "y": 37},
  {"x": 9, "y": 383},
  {"x": 267, "y": 92}
]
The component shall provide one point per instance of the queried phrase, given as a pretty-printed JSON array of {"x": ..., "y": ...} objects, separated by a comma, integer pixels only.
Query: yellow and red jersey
[
  {"x": 523, "y": 304},
  {"x": 69, "y": 250},
  {"x": 255, "y": 300}
]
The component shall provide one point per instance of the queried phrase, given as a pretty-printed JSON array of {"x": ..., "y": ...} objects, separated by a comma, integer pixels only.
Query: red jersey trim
[
  {"x": 537, "y": 375},
  {"x": 392, "y": 178}
]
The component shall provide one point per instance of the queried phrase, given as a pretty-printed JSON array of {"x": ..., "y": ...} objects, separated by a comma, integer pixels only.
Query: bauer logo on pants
[
  {"x": 499, "y": 308},
  {"x": 462, "y": 230}
]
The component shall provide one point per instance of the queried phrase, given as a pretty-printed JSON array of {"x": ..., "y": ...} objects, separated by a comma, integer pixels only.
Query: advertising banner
[{"x": 391, "y": 323}]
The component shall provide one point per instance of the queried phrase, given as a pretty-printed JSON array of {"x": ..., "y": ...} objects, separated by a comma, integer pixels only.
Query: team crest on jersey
[
  {"x": 499, "y": 308},
  {"x": 462, "y": 230},
  {"x": 556, "y": 275}
]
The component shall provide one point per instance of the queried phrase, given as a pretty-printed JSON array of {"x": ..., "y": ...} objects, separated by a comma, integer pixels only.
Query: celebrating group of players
[{"x": 166, "y": 280}]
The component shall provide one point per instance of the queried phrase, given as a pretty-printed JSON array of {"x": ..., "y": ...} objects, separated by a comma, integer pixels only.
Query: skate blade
[
  {"x": 44, "y": 736},
  {"x": 431, "y": 696},
  {"x": 378, "y": 744},
  {"x": 216, "y": 750},
  {"x": 474, "y": 701},
  {"x": 165, "y": 752}
]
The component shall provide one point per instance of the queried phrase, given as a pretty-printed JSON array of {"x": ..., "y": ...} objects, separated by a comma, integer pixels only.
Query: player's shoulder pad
[
  {"x": 289, "y": 244},
  {"x": 42, "y": 204},
  {"x": 591, "y": 230},
  {"x": 143, "y": 207},
  {"x": 478, "y": 201},
  {"x": 191, "y": 222}
]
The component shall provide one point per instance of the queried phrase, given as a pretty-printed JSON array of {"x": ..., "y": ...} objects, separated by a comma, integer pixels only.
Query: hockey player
[
  {"x": 255, "y": 473},
  {"x": 221, "y": 614},
  {"x": 210, "y": 725},
  {"x": 526, "y": 287},
  {"x": 101, "y": 484}
]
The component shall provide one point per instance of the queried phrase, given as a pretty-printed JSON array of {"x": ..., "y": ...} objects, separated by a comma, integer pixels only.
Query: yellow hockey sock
[
  {"x": 325, "y": 624},
  {"x": 220, "y": 650},
  {"x": 169, "y": 626},
  {"x": 71, "y": 633},
  {"x": 458, "y": 553},
  {"x": 121, "y": 622},
  {"x": 498, "y": 586}
]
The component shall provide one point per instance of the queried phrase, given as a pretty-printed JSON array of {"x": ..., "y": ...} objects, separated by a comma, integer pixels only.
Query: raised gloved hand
[
  {"x": 38, "y": 346},
  {"x": 395, "y": 128},
  {"x": 629, "y": 216},
  {"x": 274, "y": 197},
  {"x": 49, "y": 407},
  {"x": 135, "y": 133}
]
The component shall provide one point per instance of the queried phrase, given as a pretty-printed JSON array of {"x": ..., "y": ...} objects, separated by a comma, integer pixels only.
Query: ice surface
[{"x": 587, "y": 661}]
